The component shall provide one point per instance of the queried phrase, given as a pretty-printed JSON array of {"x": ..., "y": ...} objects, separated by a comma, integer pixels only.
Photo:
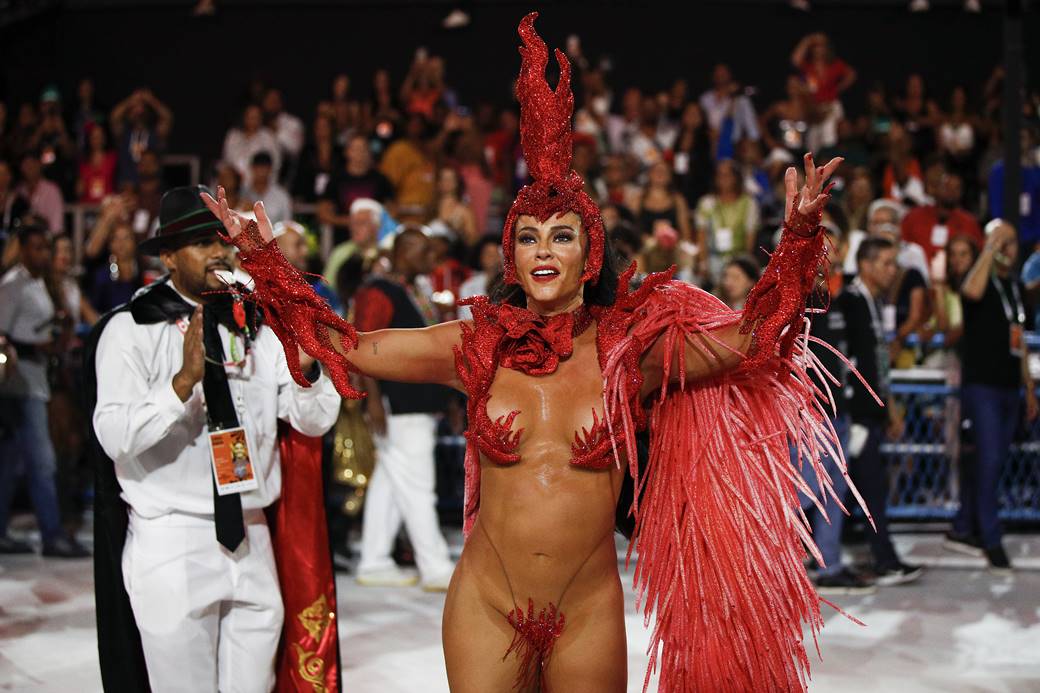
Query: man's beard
[{"x": 206, "y": 286}]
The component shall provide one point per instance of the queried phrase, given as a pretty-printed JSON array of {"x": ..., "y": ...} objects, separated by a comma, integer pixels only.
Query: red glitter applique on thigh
[{"x": 533, "y": 642}]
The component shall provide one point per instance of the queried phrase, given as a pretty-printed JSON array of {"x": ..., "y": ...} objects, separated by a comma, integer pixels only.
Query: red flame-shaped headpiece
[{"x": 546, "y": 138}]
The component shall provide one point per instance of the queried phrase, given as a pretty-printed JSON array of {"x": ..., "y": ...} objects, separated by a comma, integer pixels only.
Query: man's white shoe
[
  {"x": 438, "y": 583},
  {"x": 387, "y": 577}
]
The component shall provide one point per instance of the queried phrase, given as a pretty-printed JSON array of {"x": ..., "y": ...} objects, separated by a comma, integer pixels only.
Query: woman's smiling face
[{"x": 550, "y": 259}]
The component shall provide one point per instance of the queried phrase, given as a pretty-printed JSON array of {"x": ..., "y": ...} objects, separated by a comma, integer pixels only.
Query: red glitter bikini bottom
[{"x": 533, "y": 642}]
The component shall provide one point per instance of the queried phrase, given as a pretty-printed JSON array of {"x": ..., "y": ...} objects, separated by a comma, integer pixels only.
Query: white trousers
[
  {"x": 402, "y": 489},
  {"x": 209, "y": 619}
]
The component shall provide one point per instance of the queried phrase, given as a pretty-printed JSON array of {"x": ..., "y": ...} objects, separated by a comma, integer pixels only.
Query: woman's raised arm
[
  {"x": 774, "y": 309},
  {"x": 302, "y": 319}
]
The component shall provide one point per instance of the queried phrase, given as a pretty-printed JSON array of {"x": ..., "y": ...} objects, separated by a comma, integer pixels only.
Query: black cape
[{"x": 119, "y": 642}]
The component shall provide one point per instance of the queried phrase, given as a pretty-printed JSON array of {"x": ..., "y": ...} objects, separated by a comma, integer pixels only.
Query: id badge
[
  {"x": 724, "y": 240},
  {"x": 682, "y": 163},
  {"x": 140, "y": 222},
  {"x": 1025, "y": 204},
  {"x": 940, "y": 235},
  {"x": 1016, "y": 338},
  {"x": 858, "y": 434},
  {"x": 232, "y": 462},
  {"x": 888, "y": 318}
]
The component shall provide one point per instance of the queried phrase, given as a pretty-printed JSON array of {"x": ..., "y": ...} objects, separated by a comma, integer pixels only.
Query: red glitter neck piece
[
  {"x": 546, "y": 139},
  {"x": 534, "y": 344},
  {"x": 533, "y": 642}
]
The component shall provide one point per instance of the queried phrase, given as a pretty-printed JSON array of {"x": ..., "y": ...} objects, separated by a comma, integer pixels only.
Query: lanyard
[
  {"x": 1020, "y": 312},
  {"x": 875, "y": 318}
]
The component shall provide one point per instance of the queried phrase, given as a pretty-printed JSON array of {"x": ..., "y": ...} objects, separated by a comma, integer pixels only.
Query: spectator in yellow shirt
[{"x": 408, "y": 164}]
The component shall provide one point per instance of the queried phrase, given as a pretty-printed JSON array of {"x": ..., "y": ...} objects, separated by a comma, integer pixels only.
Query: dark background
[{"x": 200, "y": 66}]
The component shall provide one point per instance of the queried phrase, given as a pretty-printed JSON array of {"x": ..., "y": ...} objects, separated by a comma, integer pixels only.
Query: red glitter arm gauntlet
[
  {"x": 299, "y": 317},
  {"x": 777, "y": 301}
]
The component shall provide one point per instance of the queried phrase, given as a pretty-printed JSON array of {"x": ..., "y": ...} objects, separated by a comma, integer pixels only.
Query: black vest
[{"x": 408, "y": 398}]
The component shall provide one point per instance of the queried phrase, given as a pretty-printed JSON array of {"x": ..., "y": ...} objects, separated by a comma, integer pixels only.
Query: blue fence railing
[{"x": 923, "y": 463}]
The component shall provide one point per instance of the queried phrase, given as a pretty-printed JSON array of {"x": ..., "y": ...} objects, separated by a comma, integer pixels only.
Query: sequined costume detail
[
  {"x": 546, "y": 138},
  {"x": 533, "y": 642},
  {"x": 298, "y": 316}
]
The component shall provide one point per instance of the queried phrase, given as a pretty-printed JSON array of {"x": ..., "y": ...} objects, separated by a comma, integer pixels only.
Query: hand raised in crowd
[
  {"x": 194, "y": 364},
  {"x": 234, "y": 222},
  {"x": 812, "y": 196},
  {"x": 1000, "y": 236}
]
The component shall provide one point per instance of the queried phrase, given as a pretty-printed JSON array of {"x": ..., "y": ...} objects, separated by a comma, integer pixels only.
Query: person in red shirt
[
  {"x": 503, "y": 149},
  {"x": 826, "y": 74},
  {"x": 932, "y": 226},
  {"x": 97, "y": 170},
  {"x": 447, "y": 273}
]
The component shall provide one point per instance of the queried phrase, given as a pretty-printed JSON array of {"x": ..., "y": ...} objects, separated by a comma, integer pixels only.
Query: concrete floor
[{"x": 958, "y": 629}]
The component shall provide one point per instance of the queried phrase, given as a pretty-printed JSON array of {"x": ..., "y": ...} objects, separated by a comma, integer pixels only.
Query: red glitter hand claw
[
  {"x": 777, "y": 301},
  {"x": 299, "y": 317}
]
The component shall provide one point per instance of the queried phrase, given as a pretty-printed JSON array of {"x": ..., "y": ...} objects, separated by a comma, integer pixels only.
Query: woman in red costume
[{"x": 562, "y": 368}]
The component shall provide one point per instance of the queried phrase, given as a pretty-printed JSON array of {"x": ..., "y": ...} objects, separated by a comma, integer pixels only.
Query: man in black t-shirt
[
  {"x": 862, "y": 307},
  {"x": 994, "y": 366},
  {"x": 357, "y": 179}
]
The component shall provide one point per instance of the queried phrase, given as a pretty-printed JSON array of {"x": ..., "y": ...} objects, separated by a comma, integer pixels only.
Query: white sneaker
[
  {"x": 387, "y": 577},
  {"x": 438, "y": 583}
]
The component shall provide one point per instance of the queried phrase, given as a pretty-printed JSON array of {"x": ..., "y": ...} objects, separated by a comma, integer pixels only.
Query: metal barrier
[{"x": 923, "y": 463}]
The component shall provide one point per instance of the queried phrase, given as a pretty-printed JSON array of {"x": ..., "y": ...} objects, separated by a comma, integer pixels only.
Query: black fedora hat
[{"x": 182, "y": 216}]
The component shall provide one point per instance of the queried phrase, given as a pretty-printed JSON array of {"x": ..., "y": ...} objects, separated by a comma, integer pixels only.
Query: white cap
[
  {"x": 885, "y": 203},
  {"x": 438, "y": 229},
  {"x": 779, "y": 156},
  {"x": 282, "y": 227},
  {"x": 993, "y": 225},
  {"x": 366, "y": 203}
]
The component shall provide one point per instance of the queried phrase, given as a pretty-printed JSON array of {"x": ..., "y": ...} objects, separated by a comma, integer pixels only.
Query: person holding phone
[{"x": 995, "y": 367}]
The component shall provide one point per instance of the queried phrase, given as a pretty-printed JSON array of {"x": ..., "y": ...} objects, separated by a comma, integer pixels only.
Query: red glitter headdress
[{"x": 546, "y": 138}]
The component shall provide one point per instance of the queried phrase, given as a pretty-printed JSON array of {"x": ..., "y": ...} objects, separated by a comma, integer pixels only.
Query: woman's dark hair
[
  {"x": 747, "y": 265},
  {"x": 478, "y": 248},
  {"x": 460, "y": 184},
  {"x": 601, "y": 292},
  {"x": 736, "y": 175},
  {"x": 955, "y": 282},
  {"x": 350, "y": 276}
]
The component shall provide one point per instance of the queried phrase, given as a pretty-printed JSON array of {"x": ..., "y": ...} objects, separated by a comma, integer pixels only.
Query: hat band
[{"x": 201, "y": 220}]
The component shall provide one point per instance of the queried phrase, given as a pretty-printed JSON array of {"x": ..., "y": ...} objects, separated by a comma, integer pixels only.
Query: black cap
[{"x": 262, "y": 158}]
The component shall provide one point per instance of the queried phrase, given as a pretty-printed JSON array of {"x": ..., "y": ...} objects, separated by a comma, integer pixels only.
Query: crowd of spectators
[{"x": 683, "y": 179}]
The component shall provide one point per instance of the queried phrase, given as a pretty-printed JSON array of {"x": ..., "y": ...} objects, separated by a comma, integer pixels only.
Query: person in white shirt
[
  {"x": 197, "y": 563},
  {"x": 27, "y": 325},
  {"x": 724, "y": 101},
  {"x": 287, "y": 128},
  {"x": 241, "y": 144},
  {"x": 264, "y": 187}
]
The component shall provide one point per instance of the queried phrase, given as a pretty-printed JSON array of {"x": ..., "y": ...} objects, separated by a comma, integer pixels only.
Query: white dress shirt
[
  {"x": 26, "y": 316},
  {"x": 160, "y": 444},
  {"x": 289, "y": 131},
  {"x": 239, "y": 149}
]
